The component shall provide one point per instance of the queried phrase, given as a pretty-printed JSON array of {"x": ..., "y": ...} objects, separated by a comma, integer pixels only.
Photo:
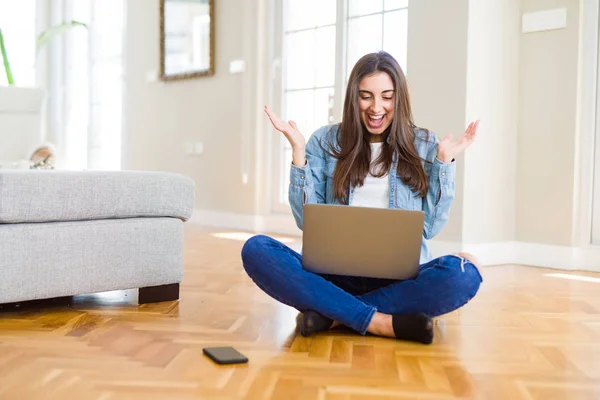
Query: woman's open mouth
[{"x": 375, "y": 121}]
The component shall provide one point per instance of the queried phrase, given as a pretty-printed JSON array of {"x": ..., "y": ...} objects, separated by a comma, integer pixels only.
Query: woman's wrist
[
  {"x": 444, "y": 158},
  {"x": 299, "y": 157}
]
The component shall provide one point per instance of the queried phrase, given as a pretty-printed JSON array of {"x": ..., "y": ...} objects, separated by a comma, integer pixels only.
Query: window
[
  {"x": 106, "y": 85},
  {"x": 17, "y": 21},
  {"x": 375, "y": 26},
  {"x": 94, "y": 73},
  {"x": 317, "y": 54}
]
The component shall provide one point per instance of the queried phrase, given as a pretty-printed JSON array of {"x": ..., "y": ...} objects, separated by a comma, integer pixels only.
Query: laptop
[{"x": 362, "y": 241}]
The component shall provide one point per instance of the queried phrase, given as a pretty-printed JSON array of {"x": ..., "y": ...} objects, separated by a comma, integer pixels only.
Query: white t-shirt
[{"x": 375, "y": 191}]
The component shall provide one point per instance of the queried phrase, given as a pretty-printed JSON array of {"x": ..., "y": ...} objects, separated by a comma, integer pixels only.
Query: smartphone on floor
[{"x": 225, "y": 355}]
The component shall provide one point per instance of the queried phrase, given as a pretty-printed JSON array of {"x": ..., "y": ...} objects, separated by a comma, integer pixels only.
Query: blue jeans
[{"x": 442, "y": 285}]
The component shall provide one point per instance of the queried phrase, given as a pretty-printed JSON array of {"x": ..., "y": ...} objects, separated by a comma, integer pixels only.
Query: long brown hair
[{"x": 354, "y": 154}]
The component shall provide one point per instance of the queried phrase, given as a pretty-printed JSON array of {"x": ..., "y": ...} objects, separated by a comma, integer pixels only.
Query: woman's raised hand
[
  {"x": 449, "y": 149},
  {"x": 292, "y": 134}
]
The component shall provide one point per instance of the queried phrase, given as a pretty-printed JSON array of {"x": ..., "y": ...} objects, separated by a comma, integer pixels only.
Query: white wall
[
  {"x": 547, "y": 128},
  {"x": 161, "y": 116}
]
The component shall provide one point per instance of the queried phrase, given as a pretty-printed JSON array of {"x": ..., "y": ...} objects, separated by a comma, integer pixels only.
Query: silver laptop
[{"x": 361, "y": 241}]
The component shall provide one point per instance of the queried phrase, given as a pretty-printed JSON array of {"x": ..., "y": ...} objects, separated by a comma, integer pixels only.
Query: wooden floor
[{"x": 529, "y": 334}]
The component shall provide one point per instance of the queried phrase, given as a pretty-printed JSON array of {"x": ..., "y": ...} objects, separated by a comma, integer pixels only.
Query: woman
[{"x": 376, "y": 157}]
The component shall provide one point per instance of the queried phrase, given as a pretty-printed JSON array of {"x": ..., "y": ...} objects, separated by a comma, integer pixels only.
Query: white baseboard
[
  {"x": 534, "y": 254},
  {"x": 560, "y": 257},
  {"x": 487, "y": 253},
  {"x": 274, "y": 223},
  {"x": 225, "y": 220},
  {"x": 521, "y": 253},
  {"x": 281, "y": 224}
]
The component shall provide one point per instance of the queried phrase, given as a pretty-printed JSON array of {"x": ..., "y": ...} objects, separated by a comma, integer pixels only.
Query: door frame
[{"x": 587, "y": 181}]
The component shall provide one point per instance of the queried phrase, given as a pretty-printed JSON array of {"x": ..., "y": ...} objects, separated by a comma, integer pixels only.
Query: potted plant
[{"x": 21, "y": 108}]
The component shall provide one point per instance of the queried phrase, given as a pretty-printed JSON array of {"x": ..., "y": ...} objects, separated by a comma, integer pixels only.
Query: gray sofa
[{"x": 66, "y": 233}]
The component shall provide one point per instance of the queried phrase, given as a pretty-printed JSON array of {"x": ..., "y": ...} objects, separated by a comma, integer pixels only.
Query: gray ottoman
[{"x": 64, "y": 233}]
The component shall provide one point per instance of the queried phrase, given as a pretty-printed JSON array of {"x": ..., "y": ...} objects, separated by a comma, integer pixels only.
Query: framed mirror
[{"x": 186, "y": 39}]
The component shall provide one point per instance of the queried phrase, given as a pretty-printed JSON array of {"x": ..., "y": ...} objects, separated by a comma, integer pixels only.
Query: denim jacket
[{"x": 313, "y": 183}]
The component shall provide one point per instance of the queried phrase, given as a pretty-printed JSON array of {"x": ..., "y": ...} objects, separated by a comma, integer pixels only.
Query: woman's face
[{"x": 376, "y": 102}]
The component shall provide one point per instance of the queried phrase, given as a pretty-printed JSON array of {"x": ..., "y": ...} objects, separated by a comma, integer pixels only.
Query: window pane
[
  {"x": 106, "y": 85},
  {"x": 108, "y": 10},
  {"x": 106, "y": 39},
  {"x": 299, "y": 107},
  {"x": 327, "y": 12},
  {"x": 323, "y": 104},
  {"x": 395, "y": 4},
  {"x": 325, "y": 56},
  {"x": 107, "y": 81},
  {"x": 299, "y": 14},
  {"x": 363, "y": 7},
  {"x": 106, "y": 29},
  {"x": 299, "y": 54},
  {"x": 82, "y": 11},
  {"x": 395, "y": 35},
  {"x": 310, "y": 58},
  {"x": 364, "y": 36},
  {"x": 17, "y": 21},
  {"x": 302, "y": 14},
  {"x": 106, "y": 128},
  {"x": 310, "y": 110}
]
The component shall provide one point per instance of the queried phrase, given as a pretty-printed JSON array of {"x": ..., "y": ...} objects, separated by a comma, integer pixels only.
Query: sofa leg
[{"x": 155, "y": 294}]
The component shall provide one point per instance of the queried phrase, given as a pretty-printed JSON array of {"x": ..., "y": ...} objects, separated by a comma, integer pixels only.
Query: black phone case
[{"x": 235, "y": 357}]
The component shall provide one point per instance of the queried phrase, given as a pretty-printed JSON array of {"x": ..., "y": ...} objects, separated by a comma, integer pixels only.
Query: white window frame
[{"x": 588, "y": 225}]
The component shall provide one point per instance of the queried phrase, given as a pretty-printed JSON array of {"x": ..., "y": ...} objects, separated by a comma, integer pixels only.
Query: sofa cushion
[{"x": 44, "y": 196}]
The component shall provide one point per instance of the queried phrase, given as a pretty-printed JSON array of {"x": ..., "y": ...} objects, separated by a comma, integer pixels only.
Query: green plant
[
  {"x": 43, "y": 38},
  {"x": 9, "y": 76}
]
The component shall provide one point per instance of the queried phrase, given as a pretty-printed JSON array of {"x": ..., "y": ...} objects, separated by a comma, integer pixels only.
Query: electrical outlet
[
  {"x": 189, "y": 148},
  {"x": 199, "y": 148}
]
